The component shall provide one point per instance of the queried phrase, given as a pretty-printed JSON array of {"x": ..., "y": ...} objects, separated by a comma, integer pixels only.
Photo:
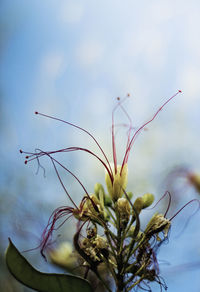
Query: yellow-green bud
[
  {"x": 123, "y": 206},
  {"x": 130, "y": 195},
  {"x": 148, "y": 199},
  {"x": 124, "y": 210},
  {"x": 115, "y": 188},
  {"x": 138, "y": 204},
  {"x": 64, "y": 256}
]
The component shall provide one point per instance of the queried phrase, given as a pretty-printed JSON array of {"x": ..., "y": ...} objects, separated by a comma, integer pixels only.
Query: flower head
[{"x": 127, "y": 252}]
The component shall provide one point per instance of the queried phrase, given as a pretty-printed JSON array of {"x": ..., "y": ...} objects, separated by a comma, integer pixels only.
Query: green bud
[
  {"x": 138, "y": 204},
  {"x": 123, "y": 206},
  {"x": 130, "y": 195},
  {"x": 124, "y": 210},
  {"x": 148, "y": 199}
]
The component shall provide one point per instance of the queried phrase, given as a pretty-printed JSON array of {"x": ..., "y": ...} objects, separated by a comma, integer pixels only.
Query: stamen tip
[
  {"x": 25, "y": 161},
  {"x": 36, "y": 113},
  {"x": 118, "y": 98},
  {"x": 20, "y": 151},
  {"x": 180, "y": 91}
]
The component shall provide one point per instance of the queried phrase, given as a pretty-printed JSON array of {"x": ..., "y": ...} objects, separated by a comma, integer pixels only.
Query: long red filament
[
  {"x": 31, "y": 157},
  {"x": 55, "y": 160},
  {"x": 50, "y": 227},
  {"x": 142, "y": 127},
  {"x": 194, "y": 200},
  {"x": 82, "y": 129},
  {"x": 169, "y": 202},
  {"x": 113, "y": 132},
  {"x": 130, "y": 122}
]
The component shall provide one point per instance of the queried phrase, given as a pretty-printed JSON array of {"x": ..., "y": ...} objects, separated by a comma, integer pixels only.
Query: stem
[
  {"x": 102, "y": 281},
  {"x": 135, "y": 284},
  {"x": 111, "y": 215},
  {"x": 135, "y": 233},
  {"x": 120, "y": 264}
]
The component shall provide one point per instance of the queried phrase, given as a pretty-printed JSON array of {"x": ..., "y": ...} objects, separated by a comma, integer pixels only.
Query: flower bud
[
  {"x": 138, "y": 204},
  {"x": 123, "y": 206},
  {"x": 64, "y": 256},
  {"x": 115, "y": 188},
  {"x": 124, "y": 210},
  {"x": 148, "y": 199},
  {"x": 130, "y": 195}
]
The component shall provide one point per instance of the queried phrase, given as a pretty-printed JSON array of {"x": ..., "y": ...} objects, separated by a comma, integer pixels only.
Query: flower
[{"x": 108, "y": 223}]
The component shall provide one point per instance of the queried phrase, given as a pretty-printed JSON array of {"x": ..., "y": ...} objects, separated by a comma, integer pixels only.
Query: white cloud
[
  {"x": 52, "y": 65},
  {"x": 90, "y": 52},
  {"x": 71, "y": 12},
  {"x": 190, "y": 79}
]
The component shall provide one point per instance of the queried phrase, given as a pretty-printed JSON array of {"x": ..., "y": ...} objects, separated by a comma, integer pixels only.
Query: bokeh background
[{"x": 71, "y": 59}]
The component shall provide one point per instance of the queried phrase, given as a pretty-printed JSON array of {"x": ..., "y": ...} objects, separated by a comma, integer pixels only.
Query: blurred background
[{"x": 72, "y": 59}]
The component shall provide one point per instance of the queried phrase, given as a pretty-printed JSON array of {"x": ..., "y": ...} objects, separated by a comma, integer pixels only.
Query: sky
[{"x": 72, "y": 59}]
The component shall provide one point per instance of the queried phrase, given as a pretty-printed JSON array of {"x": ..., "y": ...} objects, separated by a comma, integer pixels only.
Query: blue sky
[{"x": 71, "y": 59}]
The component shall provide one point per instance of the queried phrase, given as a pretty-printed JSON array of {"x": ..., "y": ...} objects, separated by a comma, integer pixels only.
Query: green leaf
[{"x": 20, "y": 268}]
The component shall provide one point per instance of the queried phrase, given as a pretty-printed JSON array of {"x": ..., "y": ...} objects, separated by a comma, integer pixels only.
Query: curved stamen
[
  {"x": 113, "y": 129},
  {"x": 87, "y": 194},
  {"x": 53, "y": 160},
  {"x": 142, "y": 127},
  {"x": 82, "y": 129},
  {"x": 188, "y": 203},
  {"x": 130, "y": 124},
  {"x": 169, "y": 202},
  {"x": 50, "y": 227},
  {"x": 31, "y": 157}
]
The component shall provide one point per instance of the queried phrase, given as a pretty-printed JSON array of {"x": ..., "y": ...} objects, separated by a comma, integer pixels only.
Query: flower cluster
[{"x": 109, "y": 241}]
